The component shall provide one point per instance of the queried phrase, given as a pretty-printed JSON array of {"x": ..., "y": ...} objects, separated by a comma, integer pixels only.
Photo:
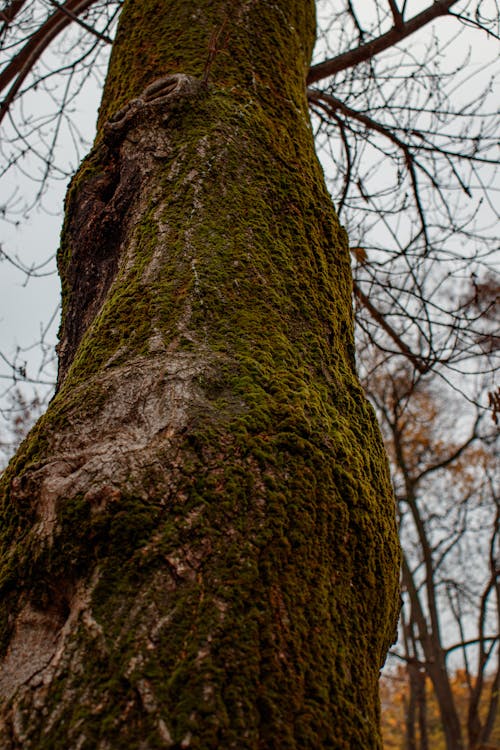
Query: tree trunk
[{"x": 199, "y": 539}]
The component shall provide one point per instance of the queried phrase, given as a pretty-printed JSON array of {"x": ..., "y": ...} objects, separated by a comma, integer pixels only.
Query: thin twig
[{"x": 86, "y": 26}]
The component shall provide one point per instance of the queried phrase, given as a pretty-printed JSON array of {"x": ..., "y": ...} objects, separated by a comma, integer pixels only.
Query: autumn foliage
[{"x": 395, "y": 699}]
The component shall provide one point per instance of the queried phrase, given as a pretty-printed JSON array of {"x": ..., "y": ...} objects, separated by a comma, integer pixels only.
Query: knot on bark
[{"x": 156, "y": 99}]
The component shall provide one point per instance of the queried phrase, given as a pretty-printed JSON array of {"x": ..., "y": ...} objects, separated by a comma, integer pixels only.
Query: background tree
[{"x": 449, "y": 515}]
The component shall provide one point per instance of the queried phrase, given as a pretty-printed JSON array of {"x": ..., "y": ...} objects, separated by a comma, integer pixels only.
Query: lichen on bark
[{"x": 201, "y": 527}]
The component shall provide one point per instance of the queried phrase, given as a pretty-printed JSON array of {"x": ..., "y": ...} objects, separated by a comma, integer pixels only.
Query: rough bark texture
[{"x": 199, "y": 547}]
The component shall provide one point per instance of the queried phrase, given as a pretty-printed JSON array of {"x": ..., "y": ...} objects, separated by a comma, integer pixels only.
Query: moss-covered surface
[
  {"x": 241, "y": 563},
  {"x": 262, "y": 48}
]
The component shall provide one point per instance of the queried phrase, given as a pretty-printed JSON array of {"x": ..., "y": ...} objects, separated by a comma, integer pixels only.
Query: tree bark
[{"x": 199, "y": 545}]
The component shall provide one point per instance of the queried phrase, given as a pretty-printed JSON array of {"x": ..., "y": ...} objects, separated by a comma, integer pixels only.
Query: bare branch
[
  {"x": 472, "y": 642},
  {"x": 382, "y": 321},
  {"x": 9, "y": 13},
  {"x": 367, "y": 51},
  {"x": 452, "y": 457},
  {"x": 336, "y": 104},
  {"x": 397, "y": 15},
  {"x": 86, "y": 26},
  {"x": 475, "y": 24},
  {"x": 39, "y": 41}
]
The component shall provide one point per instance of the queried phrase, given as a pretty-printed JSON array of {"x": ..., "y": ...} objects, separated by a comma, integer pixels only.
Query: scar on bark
[
  {"x": 98, "y": 210},
  {"x": 162, "y": 93}
]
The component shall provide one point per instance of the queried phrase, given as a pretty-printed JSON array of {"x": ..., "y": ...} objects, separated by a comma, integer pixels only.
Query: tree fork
[{"x": 199, "y": 545}]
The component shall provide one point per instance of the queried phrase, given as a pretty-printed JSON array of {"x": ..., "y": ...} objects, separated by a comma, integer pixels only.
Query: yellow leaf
[{"x": 360, "y": 254}]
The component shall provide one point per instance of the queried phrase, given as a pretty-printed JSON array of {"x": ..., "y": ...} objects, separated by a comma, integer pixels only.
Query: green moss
[{"x": 157, "y": 38}]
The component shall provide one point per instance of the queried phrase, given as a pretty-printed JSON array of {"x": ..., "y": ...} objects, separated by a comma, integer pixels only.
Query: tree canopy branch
[
  {"x": 22, "y": 63},
  {"x": 367, "y": 51},
  {"x": 376, "y": 315},
  {"x": 397, "y": 15},
  {"x": 332, "y": 104},
  {"x": 86, "y": 26},
  {"x": 8, "y": 13}
]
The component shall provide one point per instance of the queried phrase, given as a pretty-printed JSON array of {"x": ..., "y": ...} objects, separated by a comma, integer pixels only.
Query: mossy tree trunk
[{"x": 199, "y": 547}]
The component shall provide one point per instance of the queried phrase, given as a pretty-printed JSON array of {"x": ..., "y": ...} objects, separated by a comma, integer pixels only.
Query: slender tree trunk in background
[
  {"x": 429, "y": 630},
  {"x": 410, "y": 701},
  {"x": 199, "y": 539},
  {"x": 417, "y": 700},
  {"x": 410, "y": 719}
]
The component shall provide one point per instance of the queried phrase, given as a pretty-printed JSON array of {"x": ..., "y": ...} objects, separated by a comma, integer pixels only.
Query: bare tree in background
[{"x": 446, "y": 484}]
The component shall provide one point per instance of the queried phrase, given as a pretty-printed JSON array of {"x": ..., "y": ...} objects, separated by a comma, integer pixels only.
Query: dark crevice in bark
[{"x": 97, "y": 221}]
